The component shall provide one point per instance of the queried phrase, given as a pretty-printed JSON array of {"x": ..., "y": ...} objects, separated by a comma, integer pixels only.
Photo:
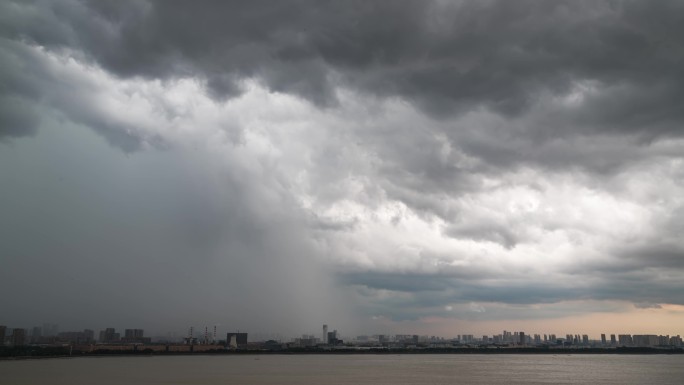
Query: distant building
[
  {"x": 538, "y": 339},
  {"x": 236, "y": 340},
  {"x": 18, "y": 337},
  {"x": 625, "y": 340},
  {"x": 613, "y": 341},
  {"x": 36, "y": 334},
  {"x": 507, "y": 337},
  {"x": 305, "y": 341},
  {"x": 3, "y": 332},
  {"x": 87, "y": 336},
  {"x": 648, "y": 340},
  {"x": 663, "y": 340},
  {"x": 332, "y": 338},
  {"x": 109, "y": 336},
  {"x": 325, "y": 334},
  {"x": 134, "y": 333},
  {"x": 521, "y": 335},
  {"x": 135, "y": 336},
  {"x": 603, "y": 339}
]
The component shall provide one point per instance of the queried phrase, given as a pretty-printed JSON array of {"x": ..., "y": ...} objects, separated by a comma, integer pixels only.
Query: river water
[{"x": 349, "y": 369}]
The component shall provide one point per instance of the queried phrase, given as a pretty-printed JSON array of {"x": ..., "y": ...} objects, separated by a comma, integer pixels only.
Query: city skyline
[
  {"x": 134, "y": 341},
  {"x": 212, "y": 335},
  {"x": 428, "y": 166}
]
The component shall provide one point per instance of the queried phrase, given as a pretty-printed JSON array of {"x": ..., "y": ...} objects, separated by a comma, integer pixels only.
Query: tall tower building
[
  {"x": 325, "y": 334},
  {"x": 332, "y": 337}
]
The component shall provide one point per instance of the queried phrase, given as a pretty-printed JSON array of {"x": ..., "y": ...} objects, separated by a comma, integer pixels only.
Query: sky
[{"x": 413, "y": 167}]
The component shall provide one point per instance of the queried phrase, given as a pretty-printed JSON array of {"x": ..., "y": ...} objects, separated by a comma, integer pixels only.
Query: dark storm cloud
[
  {"x": 31, "y": 86},
  {"x": 651, "y": 260},
  {"x": 441, "y": 289},
  {"x": 18, "y": 91},
  {"x": 418, "y": 294},
  {"x": 446, "y": 58}
]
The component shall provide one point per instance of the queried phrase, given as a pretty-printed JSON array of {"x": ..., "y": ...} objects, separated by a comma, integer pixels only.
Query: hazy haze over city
[{"x": 431, "y": 167}]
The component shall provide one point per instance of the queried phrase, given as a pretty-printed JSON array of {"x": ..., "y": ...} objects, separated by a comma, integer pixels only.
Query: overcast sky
[{"x": 428, "y": 167}]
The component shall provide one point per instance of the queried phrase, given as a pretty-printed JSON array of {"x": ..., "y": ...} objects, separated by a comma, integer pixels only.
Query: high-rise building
[
  {"x": 135, "y": 336},
  {"x": 85, "y": 337},
  {"x": 663, "y": 340},
  {"x": 3, "y": 331},
  {"x": 134, "y": 333},
  {"x": 521, "y": 335},
  {"x": 645, "y": 340},
  {"x": 325, "y": 334},
  {"x": 538, "y": 339},
  {"x": 613, "y": 342},
  {"x": 603, "y": 339},
  {"x": 109, "y": 336},
  {"x": 625, "y": 340},
  {"x": 36, "y": 334},
  {"x": 18, "y": 337},
  {"x": 332, "y": 338}
]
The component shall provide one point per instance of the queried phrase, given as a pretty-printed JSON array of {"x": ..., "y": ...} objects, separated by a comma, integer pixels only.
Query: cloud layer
[{"x": 412, "y": 159}]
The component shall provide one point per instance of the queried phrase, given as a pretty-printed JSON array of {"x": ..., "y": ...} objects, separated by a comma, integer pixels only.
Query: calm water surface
[{"x": 350, "y": 369}]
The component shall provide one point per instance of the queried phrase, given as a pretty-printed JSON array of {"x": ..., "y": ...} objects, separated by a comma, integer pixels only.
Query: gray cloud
[
  {"x": 445, "y": 58},
  {"x": 415, "y": 295},
  {"x": 19, "y": 91},
  {"x": 438, "y": 152}
]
